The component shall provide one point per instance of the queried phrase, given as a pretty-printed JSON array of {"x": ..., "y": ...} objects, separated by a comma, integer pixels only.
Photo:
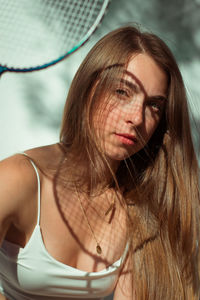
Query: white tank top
[{"x": 32, "y": 273}]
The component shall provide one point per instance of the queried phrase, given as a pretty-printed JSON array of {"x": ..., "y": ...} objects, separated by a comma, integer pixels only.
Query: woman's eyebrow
[
  {"x": 131, "y": 85},
  {"x": 158, "y": 98}
]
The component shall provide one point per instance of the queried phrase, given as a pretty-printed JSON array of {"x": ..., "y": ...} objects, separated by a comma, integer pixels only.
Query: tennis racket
[{"x": 39, "y": 33}]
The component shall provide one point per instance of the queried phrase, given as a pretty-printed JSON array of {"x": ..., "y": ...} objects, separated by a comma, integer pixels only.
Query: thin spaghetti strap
[
  {"x": 38, "y": 182},
  {"x": 123, "y": 258}
]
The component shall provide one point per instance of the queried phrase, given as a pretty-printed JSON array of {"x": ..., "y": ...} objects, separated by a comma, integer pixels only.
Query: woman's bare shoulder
[
  {"x": 18, "y": 183},
  {"x": 46, "y": 156},
  {"x": 17, "y": 168},
  {"x": 17, "y": 176},
  {"x": 18, "y": 180}
]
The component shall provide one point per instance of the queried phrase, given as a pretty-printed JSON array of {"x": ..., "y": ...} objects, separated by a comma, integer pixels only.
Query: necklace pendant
[
  {"x": 109, "y": 209},
  {"x": 98, "y": 249}
]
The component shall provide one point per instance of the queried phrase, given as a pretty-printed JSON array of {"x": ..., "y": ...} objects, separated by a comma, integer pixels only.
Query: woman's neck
[{"x": 92, "y": 175}]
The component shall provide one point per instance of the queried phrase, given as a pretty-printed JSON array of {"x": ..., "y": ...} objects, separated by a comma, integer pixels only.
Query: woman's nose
[{"x": 135, "y": 114}]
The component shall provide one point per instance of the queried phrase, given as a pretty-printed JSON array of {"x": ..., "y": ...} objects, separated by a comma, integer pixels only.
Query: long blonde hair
[{"x": 161, "y": 188}]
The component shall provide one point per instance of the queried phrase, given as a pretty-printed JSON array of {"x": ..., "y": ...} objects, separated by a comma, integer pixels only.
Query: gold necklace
[
  {"x": 110, "y": 211},
  {"x": 98, "y": 247}
]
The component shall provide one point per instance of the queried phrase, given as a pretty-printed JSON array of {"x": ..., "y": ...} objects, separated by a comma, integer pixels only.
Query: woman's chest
[{"x": 71, "y": 233}]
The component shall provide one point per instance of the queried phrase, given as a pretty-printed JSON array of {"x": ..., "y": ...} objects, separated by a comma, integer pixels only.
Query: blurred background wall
[{"x": 32, "y": 103}]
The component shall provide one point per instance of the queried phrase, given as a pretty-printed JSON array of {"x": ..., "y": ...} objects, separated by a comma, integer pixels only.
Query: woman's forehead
[{"x": 145, "y": 72}]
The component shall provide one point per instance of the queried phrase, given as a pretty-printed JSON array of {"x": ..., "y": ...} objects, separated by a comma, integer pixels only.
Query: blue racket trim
[{"x": 37, "y": 68}]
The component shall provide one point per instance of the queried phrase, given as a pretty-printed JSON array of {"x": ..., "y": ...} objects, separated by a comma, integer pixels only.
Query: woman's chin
[{"x": 116, "y": 158}]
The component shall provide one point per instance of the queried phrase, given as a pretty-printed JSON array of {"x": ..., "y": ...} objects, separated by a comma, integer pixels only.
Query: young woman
[{"x": 115, "y": 205}]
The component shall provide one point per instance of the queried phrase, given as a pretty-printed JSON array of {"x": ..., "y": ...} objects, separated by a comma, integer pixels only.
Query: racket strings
[{"x": 35, "y": 32}]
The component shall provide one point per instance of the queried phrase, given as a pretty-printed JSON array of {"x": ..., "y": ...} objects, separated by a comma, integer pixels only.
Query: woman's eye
[
  {"x": 156, "y": 106},
  {"x": 122, "y": 92}
]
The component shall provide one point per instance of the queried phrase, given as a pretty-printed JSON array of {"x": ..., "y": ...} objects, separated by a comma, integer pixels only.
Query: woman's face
[{"x": 125, "y": 121}]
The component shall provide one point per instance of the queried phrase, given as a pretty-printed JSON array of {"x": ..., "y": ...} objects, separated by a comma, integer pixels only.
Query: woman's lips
[{"x": 126, "y": 139}]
